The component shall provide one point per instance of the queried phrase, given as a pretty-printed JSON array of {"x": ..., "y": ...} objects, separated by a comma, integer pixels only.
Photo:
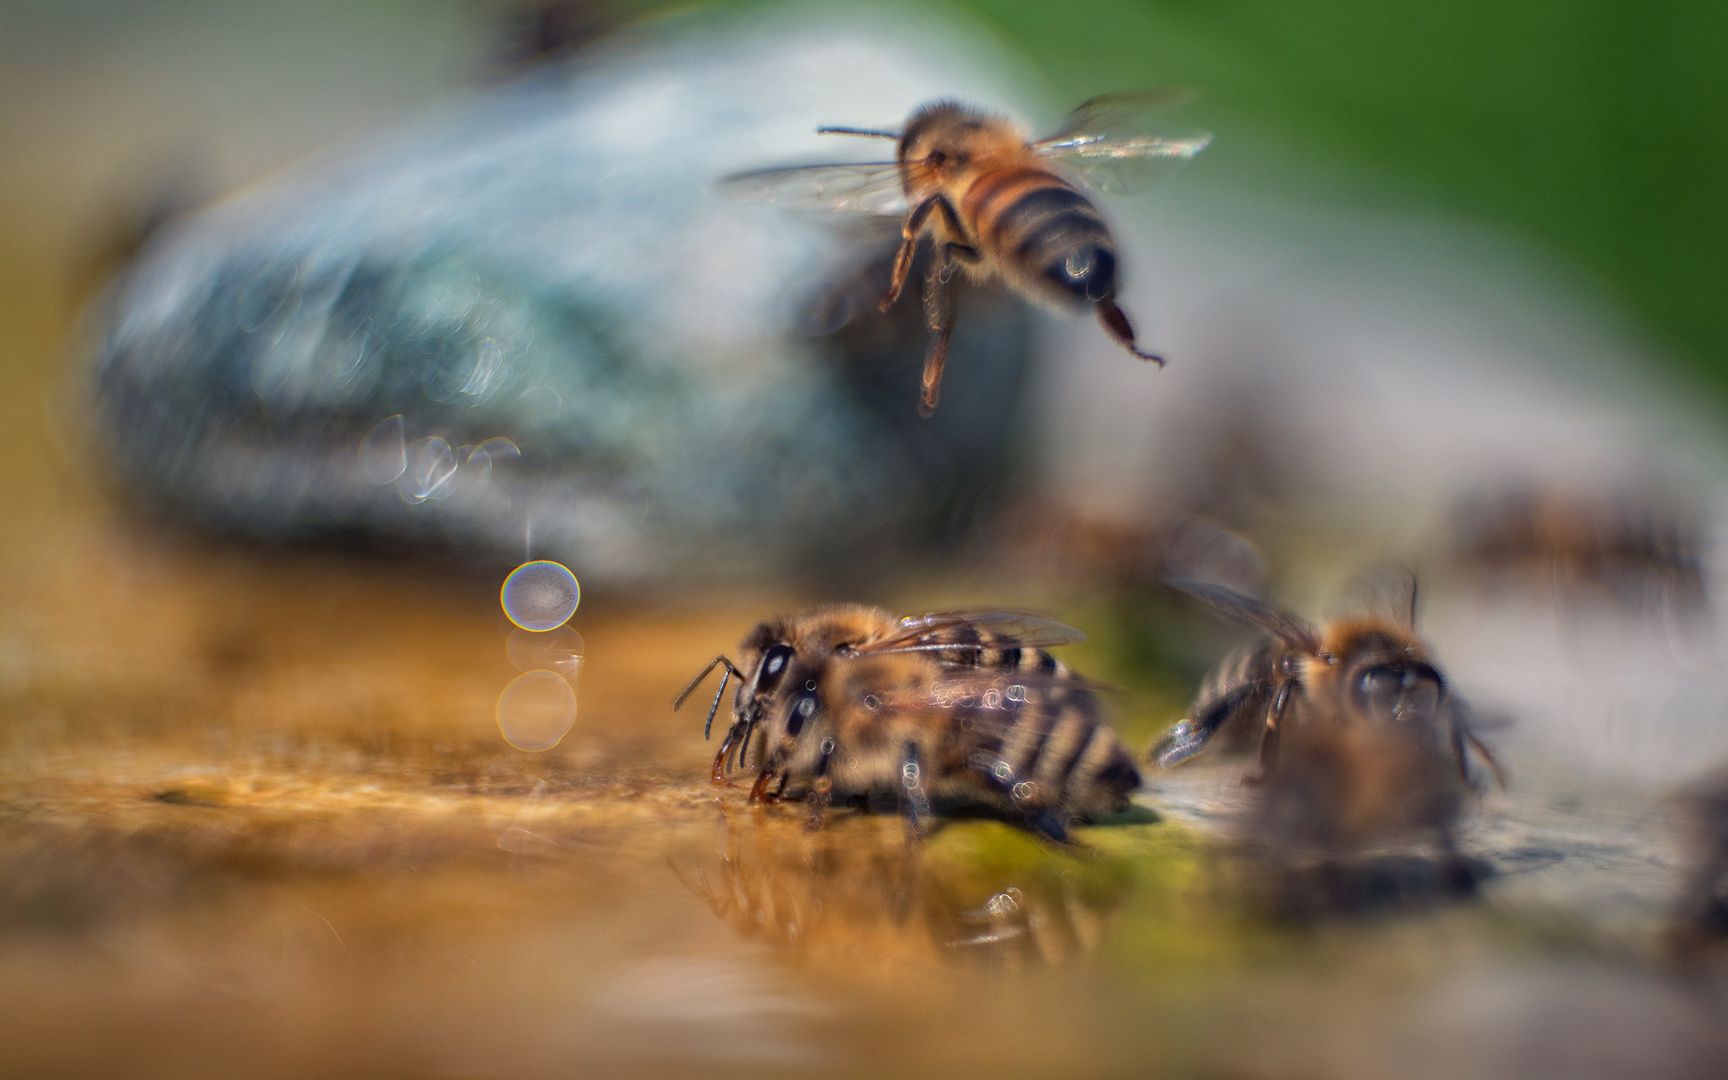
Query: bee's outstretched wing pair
[
  {"x": 1252, "y": 611},
  {"x": 871, "y": 187},
  {"x": 1108, "y": 142}
]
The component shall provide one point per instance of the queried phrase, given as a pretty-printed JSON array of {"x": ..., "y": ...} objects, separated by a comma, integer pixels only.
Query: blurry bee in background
[
  {"x": 995, "y": 204},
  {"x": 944, "y": 710},
  {"x": 1360, "y": 738},
  {"x": 1635, "y": 547}
]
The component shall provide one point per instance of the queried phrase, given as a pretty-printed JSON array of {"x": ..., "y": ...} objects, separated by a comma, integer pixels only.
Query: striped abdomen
[
  {"x": 988, "y": 652},
  {"x": 1043, "y": 234},
  {"x": 1041, "y": 745}
]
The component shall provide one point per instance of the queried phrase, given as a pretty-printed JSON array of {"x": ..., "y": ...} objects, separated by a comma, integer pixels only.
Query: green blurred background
[{"x": 1597, "y": 129}]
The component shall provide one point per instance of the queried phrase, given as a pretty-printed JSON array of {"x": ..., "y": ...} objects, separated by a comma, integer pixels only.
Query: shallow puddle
[{"x": 260, "y": 817}]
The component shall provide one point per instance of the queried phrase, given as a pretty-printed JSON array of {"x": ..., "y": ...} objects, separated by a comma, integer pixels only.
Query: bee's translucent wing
[
  {"x": 1125, "y": 112},
  {"x": 1252, "y": 611},
  {"x": 1111, "y": 144},
  {"x": 943, "y": 630},
  {"x": 1388, "y": 590},
  {"x": 871, "y": 187},
  {"x": 991, "y": 698}
]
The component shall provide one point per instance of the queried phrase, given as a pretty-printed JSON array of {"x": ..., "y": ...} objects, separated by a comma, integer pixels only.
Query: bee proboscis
[
  {"x": 1360, "y": 737},
  {"x": 943, "y": 709},
  {"x": 995, "y": 204}
]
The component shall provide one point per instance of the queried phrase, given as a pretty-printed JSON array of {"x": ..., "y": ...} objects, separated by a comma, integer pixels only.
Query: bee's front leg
[
  {"x": 718, "y": 774},
  {"x": 774, "y": 768},
  {"x": 1269, "y": 740},
  {"x": 759, "y": 790},
  {"x": 909, "y": 234}
]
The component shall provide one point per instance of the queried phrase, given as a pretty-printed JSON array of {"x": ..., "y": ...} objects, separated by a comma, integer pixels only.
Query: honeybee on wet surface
[
  {"x": 995, "y": 204},
  {"x": 942, "y": 710},
  {"x": 1360, "y": 738}
]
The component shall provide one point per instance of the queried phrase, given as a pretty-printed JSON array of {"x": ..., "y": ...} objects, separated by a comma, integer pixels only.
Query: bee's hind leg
[
  {"x": 939, "y": 314},
  {"x": 1116, "y": 322},
  {"x": 914, "y": 797}
]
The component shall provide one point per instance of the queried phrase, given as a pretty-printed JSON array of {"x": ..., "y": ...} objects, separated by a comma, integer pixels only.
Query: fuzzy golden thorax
[{"x": 946, "y": 146}]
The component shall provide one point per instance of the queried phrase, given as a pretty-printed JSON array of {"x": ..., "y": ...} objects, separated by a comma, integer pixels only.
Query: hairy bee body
[
  {"x": 941, "y": 710},
  {"x": 1360, "y": 739},
  {"x": 1025, "y": 222},
  {"x": 995, "y": 203}
]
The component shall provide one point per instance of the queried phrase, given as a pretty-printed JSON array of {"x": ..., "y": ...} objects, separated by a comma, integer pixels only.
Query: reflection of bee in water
[
  {"x": 943, "y": 710},
  {"x": 995, "y": 204},
  {"x": 1360, "y": 738},
  {"x": 852, "y": 891}
]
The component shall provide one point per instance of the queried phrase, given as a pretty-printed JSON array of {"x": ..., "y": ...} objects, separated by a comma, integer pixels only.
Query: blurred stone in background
[{"x": 690, "y": 388}]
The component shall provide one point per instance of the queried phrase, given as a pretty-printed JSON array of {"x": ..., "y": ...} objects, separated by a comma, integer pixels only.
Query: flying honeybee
[
  {"x": 995, "y": 203},
  {"x": 943, "y": 710},
  {"x": 1360, "y": 739}
]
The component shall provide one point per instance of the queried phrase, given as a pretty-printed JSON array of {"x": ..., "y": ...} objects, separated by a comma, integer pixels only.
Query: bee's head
[
  {"x": 1385, "y": 677},
  {"x": 770, "y": 664},
  {"x": 780, "y": 701},
  {"x": 946, "y": 137}
]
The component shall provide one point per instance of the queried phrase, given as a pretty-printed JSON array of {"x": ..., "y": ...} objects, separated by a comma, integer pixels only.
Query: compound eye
[
  {"x": 1397, "y": 693},
  {"x": 774, "y": 664}
]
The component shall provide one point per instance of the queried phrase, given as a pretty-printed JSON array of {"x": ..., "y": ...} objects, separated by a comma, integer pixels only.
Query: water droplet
[
  {"x": 559, "y": 649},
  {"x": 473, "y": 474},
  {"x": 536, "y": 710},
  {"x": 384, "y": 451},
  {"x": 431, "y": 463},
  {"x": 540, "y": 595}
]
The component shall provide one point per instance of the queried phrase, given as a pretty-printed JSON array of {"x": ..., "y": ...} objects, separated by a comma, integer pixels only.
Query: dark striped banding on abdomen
[
  {"x": 1024, "y": 213},
  {"x": 987, "y": 656}
]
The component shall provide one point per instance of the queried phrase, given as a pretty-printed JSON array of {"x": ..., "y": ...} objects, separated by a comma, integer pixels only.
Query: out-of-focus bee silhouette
[
  {"x": 942, "y": 710},
  {"x": 995, "y": 204},
  {"x": 1361, "y": 740},
  {"x": 852, "y": 890},
  {"x": 1637, "y": 547},
  {"x": 1701, "y": 913}
]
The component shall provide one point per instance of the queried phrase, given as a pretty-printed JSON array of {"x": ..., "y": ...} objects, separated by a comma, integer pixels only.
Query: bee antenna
[
  {"x": 731, "y": 670},
  {"x": 869, "y": 133}
]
